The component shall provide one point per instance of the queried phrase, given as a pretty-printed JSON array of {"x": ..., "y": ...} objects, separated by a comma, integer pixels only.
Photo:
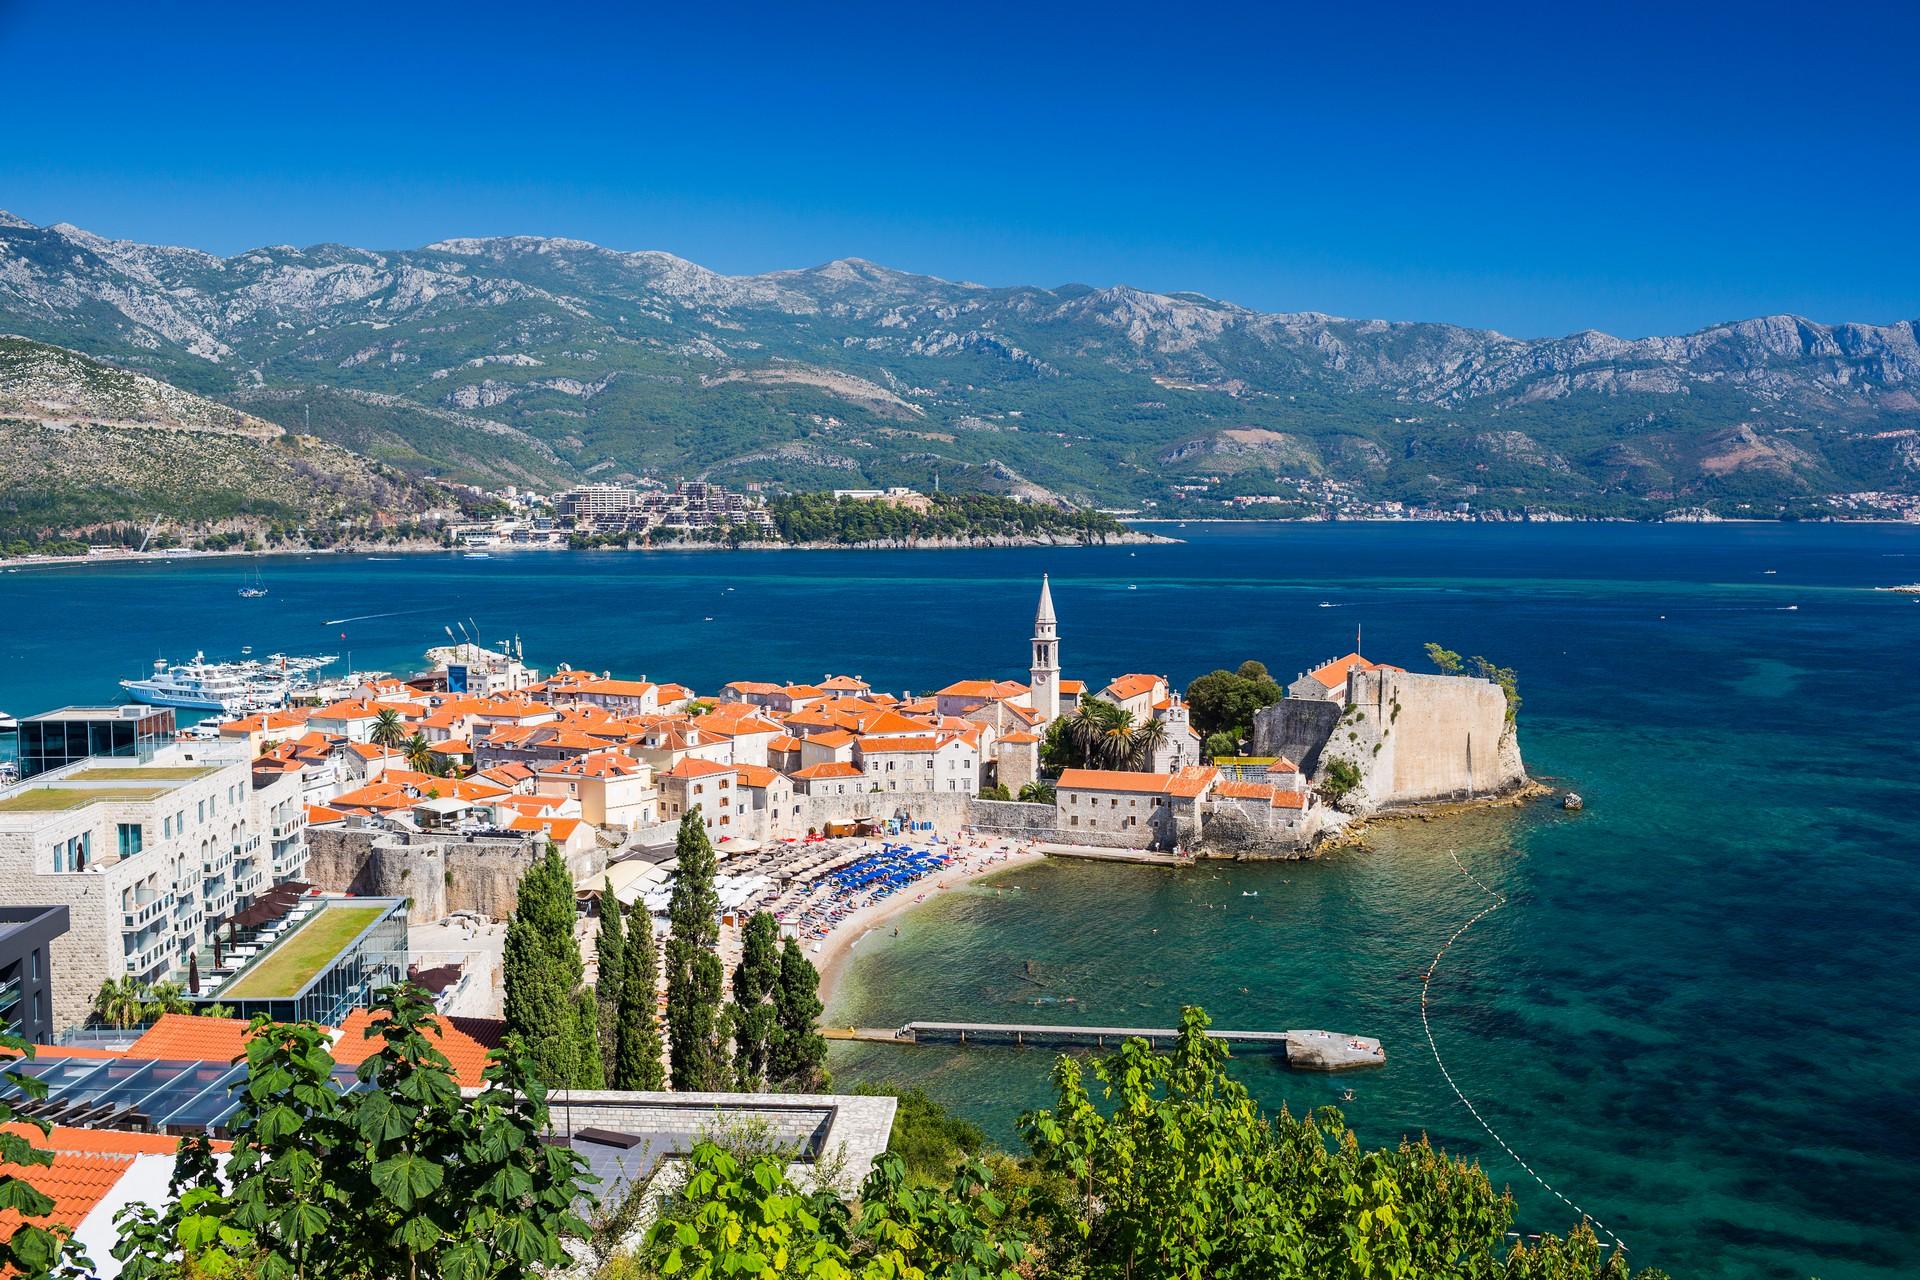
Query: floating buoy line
[{"x": 1426, "y": 985}]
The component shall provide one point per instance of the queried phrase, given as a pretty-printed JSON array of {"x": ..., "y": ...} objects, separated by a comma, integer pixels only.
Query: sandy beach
[{"x": 975, "y": 857}]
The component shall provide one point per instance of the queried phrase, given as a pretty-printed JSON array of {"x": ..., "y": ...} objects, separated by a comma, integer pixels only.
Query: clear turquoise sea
[{"x": 1692, "y": 1017}]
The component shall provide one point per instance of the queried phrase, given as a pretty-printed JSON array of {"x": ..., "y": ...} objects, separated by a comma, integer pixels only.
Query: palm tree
[
  {"x": 387, "y": 729},
  {"x": 1146, "y": 740},
  {"x": 419, "y": 753},
  {"x": 166, "y": 997},
  {"x": 1037, "y": 792},
  {"x": 121, "y": 1003}
]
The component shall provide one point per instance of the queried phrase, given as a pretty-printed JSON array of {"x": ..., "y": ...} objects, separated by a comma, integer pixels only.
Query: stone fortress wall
[{"x": 1415, "y": 738}]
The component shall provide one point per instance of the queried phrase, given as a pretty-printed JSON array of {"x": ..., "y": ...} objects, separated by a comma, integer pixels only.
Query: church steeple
[{"x": 1044, "y": 677}]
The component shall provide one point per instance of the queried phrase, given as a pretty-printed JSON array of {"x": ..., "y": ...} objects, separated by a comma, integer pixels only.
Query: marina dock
[{"x": 1304, "y": 1050}]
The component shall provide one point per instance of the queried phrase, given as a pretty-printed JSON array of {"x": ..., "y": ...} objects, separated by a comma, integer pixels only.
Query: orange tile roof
[
  {"x": 752, "y": 686},
  {"x": 1289, "y": 799},
  {"x": 557, "y": 829},
  {"x": 924, "y": 742},
  {"x": 755, "y": 775},
  {"x": 464, "y": 1041},
  {"x": 192, "y": 1038},
  {"x": 1186, "y": 784},
  {"x": 598, "y": 764},
  {"x": 828, "y": 769},
  {"x": 785, "y": 742},
  {"x": 1020, "y": 737},
  {"x": 992, "y": 689},
  {"x": 1132, "y": 686},
  {"x": 1073, "y": 686},
  {"x": 319, "y": 815},
  {"x": 1334, "y": 674},
  {"x": 41, "y": 1052},
  {"x": 103, "y": 1142},
  {"x": 76, "y": 1184},
  {"x": 673, "y": 693},
  {"x": 832, "y": 738},
  {"x": 695, "y": 768},
  {"x": 839, "y": 683},
  {"x": 804, "y": 691}
]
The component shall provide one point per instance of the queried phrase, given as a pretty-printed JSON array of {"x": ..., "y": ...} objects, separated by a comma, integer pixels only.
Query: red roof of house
[
  {"x": 192, "y": 1038},
  {"x": 828, "y": 769},
  {"x": 464, "y": 1041}
]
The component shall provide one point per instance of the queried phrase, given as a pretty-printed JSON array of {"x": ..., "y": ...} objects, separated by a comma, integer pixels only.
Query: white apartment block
[{"x": 147, "y": 857}]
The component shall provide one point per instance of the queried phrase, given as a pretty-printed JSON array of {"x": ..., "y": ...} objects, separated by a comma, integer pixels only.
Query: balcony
[
  {"x": 286, "y": 830},
  {"x": 143, "y": 962},
  {"x": 290, "y": 862},
  {"x": 9, "y": 994},
  {"x": 147, "y": 912}
]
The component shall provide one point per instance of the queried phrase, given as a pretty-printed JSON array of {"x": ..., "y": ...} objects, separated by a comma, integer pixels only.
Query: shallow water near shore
[{"x": 1691, "y": 1017}]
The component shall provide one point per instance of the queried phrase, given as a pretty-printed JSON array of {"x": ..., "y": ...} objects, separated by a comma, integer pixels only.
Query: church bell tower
[{"x": 1044, "y": 677}]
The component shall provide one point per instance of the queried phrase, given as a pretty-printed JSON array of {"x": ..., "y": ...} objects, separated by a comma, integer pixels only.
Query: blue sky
[{"x": 1536, "y": 169}]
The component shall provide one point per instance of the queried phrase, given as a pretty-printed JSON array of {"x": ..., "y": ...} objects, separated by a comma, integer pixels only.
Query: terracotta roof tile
[
  {"x": 456, "y": 1039},
  {"x": 192, "y": 1038},
  {"x": 75, "y": 1183}
]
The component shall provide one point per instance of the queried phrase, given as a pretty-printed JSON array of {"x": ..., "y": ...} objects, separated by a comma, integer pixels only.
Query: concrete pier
[{"x": 1304, "y": 1050}]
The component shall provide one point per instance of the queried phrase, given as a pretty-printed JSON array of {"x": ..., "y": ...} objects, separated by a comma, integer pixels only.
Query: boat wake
[
  {"x": 363, "y": 617},
  {"x": 1426, "y": 986}
]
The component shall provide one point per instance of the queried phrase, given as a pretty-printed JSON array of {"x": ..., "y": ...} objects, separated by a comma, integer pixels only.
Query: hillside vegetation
[
  {"x": 92, "y": 452},
  {"x": 531, "y": 360}
]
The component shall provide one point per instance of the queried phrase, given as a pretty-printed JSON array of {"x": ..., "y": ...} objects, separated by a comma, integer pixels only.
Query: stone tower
[{"x": 1044, "y": 678}]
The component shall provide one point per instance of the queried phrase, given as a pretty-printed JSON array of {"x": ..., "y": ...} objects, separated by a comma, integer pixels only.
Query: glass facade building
[
  {"x": 323, "y": 989},
  {"x": 54, "y": 739}
]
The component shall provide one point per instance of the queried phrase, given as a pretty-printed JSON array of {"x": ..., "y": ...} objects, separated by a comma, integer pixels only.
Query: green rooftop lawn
[
  {"x": 148, "y": 773},
  {"x": 293, "y": 963},
  {"x": 55, "y": 799}
]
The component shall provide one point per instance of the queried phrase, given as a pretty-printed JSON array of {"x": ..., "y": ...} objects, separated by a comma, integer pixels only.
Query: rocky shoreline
[{"x": 1353, "y": 833}]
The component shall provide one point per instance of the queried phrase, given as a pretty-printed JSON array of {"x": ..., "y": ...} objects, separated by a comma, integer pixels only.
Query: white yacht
[{"x": 232, "y": 687}]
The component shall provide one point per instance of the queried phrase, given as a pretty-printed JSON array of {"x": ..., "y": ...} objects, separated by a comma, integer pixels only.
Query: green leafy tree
[
  {"x": 419, "y": 752},
  {"x": 542, "y": 970},
  {"x": 1446, "y": 660},
  {"x": 121, "y": 1003},
  {"x": 799, "y": 1057},
  {"x": 1224, "y": 743},
  {"x": 388, "y": 729},
  {"x": 1225, "y": 701},
  {"x": 610, "y": 973},
  {"x": 588, "y": 1072},
  {"x": 1509, "y": 682},
  {"x": 1173, "y": 1171},
  {"x": 995, "y": 791},
  {"x": 637, "y": 1060},
  {"x": 694, "y": 972},
  {"x": 1338, "y": 779},
  {"x": 752, "y": 1015},
  {"x": 400, "y": 1179},
  {"x": 36, "y": 1250}
]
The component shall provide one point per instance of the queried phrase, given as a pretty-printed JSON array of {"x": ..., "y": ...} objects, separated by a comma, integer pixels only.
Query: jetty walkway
[{"x": 1304, "y": 1050}]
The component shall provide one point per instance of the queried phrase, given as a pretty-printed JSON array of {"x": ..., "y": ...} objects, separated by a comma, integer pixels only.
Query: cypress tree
[
  {"x": 638, "y": 1064},
  {"x": 610, "y": 952},
  {"x": 587, "y": 1070},
  {"x": 694, "y": 972},
  {"x": 799, "y": 1054},
  {"x": 752, "y": 1015},
  {"x": 542, "y": 969}
]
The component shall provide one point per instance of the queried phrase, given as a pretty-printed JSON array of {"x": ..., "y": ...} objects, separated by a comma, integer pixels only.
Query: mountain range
[{"x": 539, "y": 361}]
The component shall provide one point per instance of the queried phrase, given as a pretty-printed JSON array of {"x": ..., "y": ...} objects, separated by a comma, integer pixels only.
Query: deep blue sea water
[{"x": 1693, "y": 1016}]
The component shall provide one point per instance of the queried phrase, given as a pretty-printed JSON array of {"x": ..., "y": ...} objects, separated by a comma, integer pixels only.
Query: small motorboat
[
  {"x": 1572, "y": 802},
  {"x": 1246, "y": 894}
]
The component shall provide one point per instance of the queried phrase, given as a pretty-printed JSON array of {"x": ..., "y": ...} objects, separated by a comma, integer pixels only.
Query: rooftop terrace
[
  {"x": 296, "y": 960},
  {"x": 58, "y": 799}
]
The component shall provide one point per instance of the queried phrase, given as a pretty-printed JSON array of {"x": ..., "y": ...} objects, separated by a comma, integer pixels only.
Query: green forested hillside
[{"x": 531, "y": 361}]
